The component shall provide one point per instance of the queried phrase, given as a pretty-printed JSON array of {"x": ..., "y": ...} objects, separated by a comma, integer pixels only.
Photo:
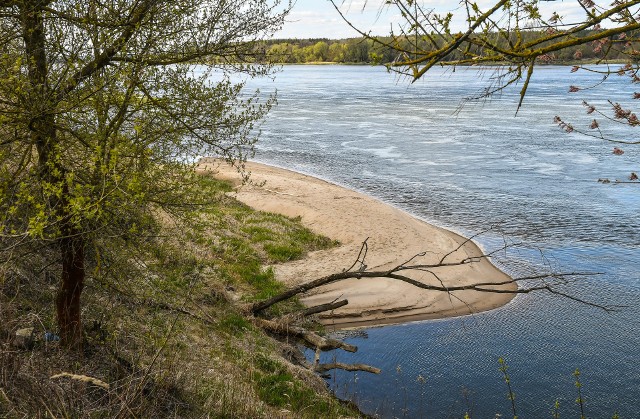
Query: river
[{"x": 468, "y": 169}]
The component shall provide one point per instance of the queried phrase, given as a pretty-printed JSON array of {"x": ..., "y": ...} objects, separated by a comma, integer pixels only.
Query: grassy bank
[{"x": 167, "y": 333}]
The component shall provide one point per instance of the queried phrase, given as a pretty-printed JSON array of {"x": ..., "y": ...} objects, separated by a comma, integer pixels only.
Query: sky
[{"x": 319, "y": 19}]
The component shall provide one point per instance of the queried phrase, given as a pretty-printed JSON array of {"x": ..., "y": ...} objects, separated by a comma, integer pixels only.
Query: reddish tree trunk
[
  {"x": 51, "y": 171},
  {"x": 71, "y": 284}
]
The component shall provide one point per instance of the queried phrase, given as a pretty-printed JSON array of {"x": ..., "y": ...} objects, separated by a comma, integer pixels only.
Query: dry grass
[{"x": 165, "y": 330}]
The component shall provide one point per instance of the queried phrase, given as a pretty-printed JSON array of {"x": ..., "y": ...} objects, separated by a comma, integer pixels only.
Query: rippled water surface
[{"x": 406, "y": 145}]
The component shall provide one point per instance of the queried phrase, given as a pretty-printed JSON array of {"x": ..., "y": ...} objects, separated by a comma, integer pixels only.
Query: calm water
[{"x": 406, "y": 145}]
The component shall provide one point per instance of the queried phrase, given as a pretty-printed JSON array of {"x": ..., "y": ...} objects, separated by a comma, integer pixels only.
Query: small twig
[
  {"x": 82, "y": 378},
  {"x": 464, "y": 243},
  {"x": 165, "y": 306},
  {"x": 362, "y": 255}
]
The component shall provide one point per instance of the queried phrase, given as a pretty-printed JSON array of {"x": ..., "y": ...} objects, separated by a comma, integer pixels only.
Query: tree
[
  {"x": 357, "y": 51},
  {"x": 336, "y": 52},
  {"x": 280, "y": 53},
  {"x": 103, "y": 105},
  {"x": 320, "y": 51}
]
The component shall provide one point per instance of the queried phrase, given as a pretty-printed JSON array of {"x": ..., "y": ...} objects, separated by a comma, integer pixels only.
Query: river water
[{"x": 469, "y": 169}]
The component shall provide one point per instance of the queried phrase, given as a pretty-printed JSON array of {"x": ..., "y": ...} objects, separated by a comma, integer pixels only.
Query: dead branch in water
[
  {"x": 311, "y": 338},
  {"x": 403, "y": 272},
  {"x": 322, "y": 368}
]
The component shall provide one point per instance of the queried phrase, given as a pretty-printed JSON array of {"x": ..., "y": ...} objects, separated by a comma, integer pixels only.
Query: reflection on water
[{"x": 405, "y": 144}]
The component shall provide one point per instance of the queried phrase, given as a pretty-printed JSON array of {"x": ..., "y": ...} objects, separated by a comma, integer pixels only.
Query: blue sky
[{"x": 318, "y": 18}]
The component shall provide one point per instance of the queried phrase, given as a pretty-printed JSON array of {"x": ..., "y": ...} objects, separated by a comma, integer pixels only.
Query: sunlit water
[{"x": 406, "y": 145}]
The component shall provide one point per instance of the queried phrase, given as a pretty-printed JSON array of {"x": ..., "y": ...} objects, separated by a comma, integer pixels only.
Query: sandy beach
[{"x": 393, "y": 236}]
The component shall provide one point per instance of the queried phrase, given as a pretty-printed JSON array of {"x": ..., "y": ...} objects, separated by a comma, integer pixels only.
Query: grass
[
  {"x": 165, "y": 327},
  {"x": 234, "y": 324},
  {"x": 283, "y": 253},
  {"x": 278, "y": 387}
]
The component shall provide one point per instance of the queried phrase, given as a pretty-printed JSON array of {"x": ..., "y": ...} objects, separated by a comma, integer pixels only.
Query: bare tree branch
[
  {"x": 105, "y": 57},
  {"x": 401, "y": 273},
  {"x": 296, "y": 356}
]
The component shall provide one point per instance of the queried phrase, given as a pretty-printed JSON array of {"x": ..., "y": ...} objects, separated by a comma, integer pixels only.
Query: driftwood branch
[
  {"x": 297, "y": 357},
  {"x": 322, "y": 368},
  {"x": 319, "y": 343},
  {"x": 527, "y": 284},
  {"x": 324, "y": 307},
  {"x": 402, "y": 271},
  {"x": 359, "y": 263},
  {"x": 263, "y": 305},
  {"x": 82, "y": 378},
  {"x": 313, "y": 339},
  {"x": 394, "y": 273}
]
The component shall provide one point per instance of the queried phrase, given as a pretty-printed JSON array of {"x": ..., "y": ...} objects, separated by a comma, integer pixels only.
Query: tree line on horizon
[{"x": 362, "y": 50}]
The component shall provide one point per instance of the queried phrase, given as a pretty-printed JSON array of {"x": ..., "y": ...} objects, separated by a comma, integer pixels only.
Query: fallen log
[
  {"x": 313, "y": 339},
  {"x": 324, "y": 307},
  {"x": 322, "y": 368}
]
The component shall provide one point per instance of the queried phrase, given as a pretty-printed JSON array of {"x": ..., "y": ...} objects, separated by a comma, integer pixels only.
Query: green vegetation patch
[
  {"x": 276, "y": 386},
  {"x": 161, "y": 325},
  {"x": 283, "y": 252},
  {"x": 247, "y": 240},
  {"x": 234, "y": 324}
]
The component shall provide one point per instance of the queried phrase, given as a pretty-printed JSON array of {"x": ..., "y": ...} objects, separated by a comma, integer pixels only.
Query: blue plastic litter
[{"x": 50, "y": 337}]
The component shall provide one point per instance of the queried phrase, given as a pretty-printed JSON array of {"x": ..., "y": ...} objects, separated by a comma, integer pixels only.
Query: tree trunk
[
  {"x": 42, "y": 125},
  {"x": 68, "y": 298}
]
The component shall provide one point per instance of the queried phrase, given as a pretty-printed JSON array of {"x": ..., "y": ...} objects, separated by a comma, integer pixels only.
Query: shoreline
[
  {"x": 394, "y": 236},
  {"x": 568, "y": 63}
]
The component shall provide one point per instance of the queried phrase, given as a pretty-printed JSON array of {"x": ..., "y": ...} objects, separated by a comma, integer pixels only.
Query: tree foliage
[
  {"x": 103, "y": 105},
  {"x": 385, "y": 50},
  {"x": 344, "y": 51}
]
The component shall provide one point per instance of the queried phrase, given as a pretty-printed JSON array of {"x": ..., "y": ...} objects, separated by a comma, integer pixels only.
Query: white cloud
[{"x": 319, "y": 19}]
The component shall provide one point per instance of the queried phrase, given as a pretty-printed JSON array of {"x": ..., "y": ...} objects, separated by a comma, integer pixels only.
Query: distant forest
[{"x": 364, "y": 51}]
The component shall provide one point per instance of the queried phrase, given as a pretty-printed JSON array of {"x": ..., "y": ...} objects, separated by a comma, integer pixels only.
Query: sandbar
[{"x": 394, "y": 236}]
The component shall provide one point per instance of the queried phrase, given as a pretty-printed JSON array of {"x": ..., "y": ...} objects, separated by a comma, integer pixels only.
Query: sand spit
[{"x": 394, "y": 237}]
